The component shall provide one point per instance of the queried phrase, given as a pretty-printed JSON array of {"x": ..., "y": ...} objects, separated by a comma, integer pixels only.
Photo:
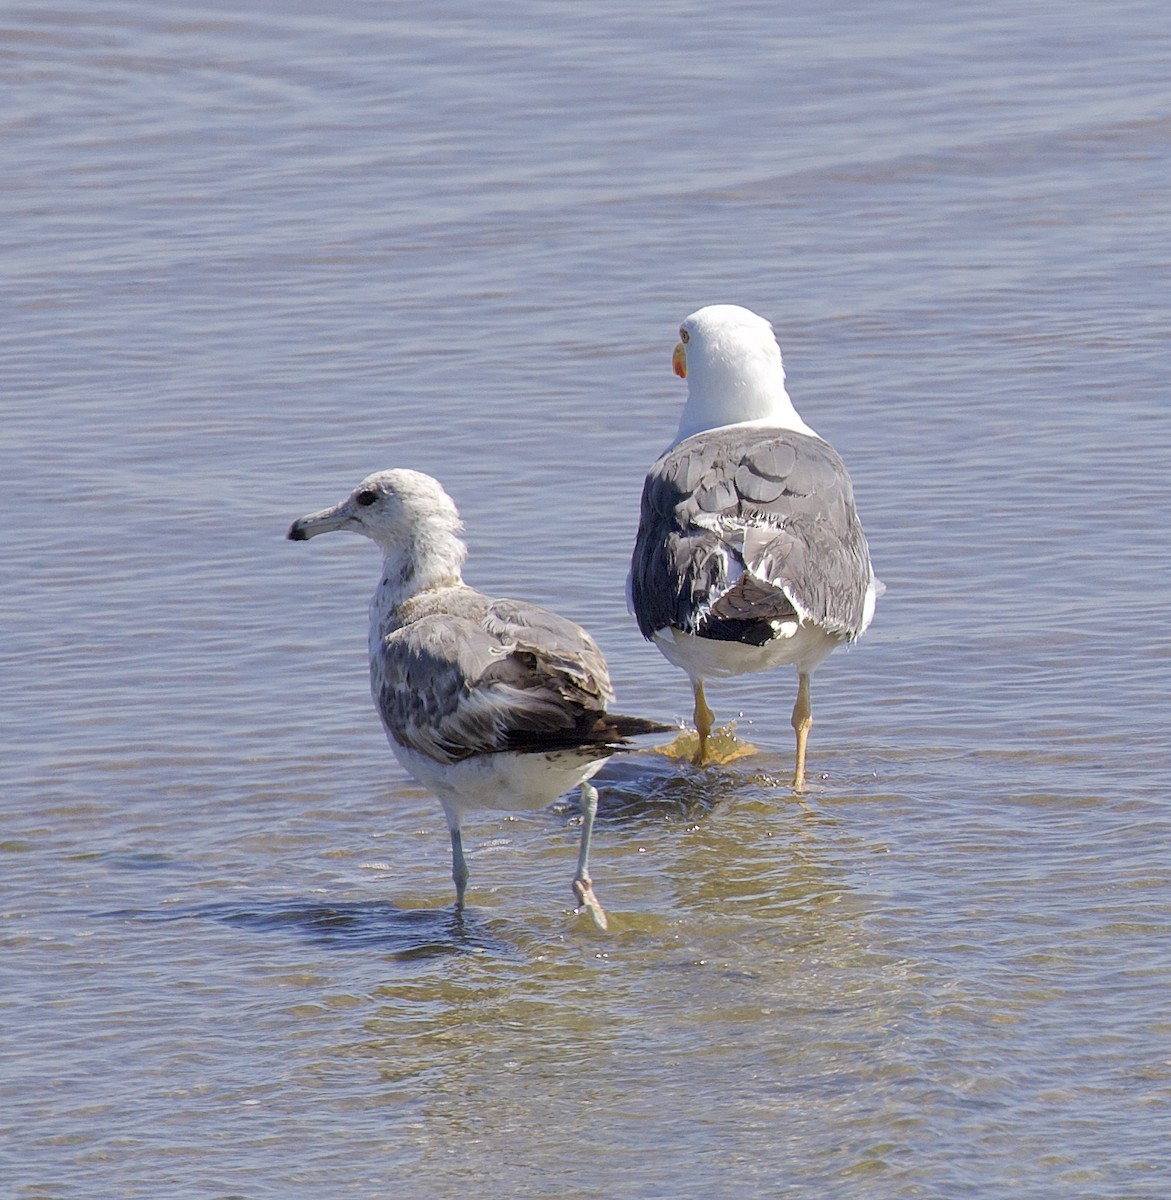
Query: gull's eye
[
  {"x": 366, "y": 497},
  {"x": 684, "y": 336}
]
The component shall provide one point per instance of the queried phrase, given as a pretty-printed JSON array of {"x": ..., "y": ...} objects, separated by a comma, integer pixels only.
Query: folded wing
[
  {"x": 744, "y": 531},
  {"x": 514, "y": 677}
]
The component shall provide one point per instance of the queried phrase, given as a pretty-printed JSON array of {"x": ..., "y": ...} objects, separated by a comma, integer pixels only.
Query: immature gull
[
  {"x": 749, "y": 552},
  {"x": 489, "y": 703}
]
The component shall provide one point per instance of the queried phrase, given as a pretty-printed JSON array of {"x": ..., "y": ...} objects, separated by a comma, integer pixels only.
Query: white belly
[
  {"x": 508, "y": 782},
  {"x": 707, "y": 658}
]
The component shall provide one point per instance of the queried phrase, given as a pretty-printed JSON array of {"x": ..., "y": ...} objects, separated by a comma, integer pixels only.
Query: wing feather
[
  {"x": 767, "y": 532},
  {"x": 516, "y": 678}
]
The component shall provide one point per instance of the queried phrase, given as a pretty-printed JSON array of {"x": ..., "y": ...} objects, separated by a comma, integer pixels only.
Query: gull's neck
[
  {"x": 739, "y": 390},
  {"x": 429, "y": 560}
]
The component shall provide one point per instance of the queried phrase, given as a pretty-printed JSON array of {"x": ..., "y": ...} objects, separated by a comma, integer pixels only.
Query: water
[{"x": 250, "y": 256}]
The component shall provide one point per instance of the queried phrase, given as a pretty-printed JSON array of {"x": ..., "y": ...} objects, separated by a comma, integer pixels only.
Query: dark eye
[
  {"x": 366, "y": 497},
  {"x": 684, "y": 336}
]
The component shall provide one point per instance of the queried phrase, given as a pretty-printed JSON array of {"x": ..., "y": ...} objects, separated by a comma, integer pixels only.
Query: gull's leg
[
  {"x": 802, "y": 722},
  {"x": 588, "y": 803},
  {"x": 583, "y": 887},
  {"x": 704, "y": 719},
  {"x": 459, "y": 867}
]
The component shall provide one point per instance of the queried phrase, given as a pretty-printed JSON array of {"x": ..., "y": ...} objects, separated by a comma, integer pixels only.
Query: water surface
[{"x": 252, "y": 255}]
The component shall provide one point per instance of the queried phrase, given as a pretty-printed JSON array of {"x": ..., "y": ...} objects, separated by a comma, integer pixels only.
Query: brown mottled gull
[{"x": 489, "y": 703}]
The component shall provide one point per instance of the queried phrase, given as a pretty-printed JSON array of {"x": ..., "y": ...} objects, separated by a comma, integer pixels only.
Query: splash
[{"x": 723, "y": 746}]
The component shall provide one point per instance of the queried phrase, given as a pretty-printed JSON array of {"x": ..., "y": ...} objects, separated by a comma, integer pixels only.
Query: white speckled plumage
[{"x": 490, "y": 703}]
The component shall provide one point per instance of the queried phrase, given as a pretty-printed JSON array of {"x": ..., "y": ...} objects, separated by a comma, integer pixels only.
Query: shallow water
[{"x": 251, "y": 256}]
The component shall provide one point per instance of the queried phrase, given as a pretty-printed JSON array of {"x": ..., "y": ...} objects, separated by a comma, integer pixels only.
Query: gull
[
  {"x": 749, "y": 553},
  {"x": 488, "y": 703}
]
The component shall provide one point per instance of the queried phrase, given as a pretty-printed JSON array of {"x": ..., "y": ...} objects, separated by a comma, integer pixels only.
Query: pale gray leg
[
  {"x": 459, "y": 867},
  {"x": 588, "y": 803},
  {"x": 583, "y": 888}
]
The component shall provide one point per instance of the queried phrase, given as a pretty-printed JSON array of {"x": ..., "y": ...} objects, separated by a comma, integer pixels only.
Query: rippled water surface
[{"x": 252, "y": 253}]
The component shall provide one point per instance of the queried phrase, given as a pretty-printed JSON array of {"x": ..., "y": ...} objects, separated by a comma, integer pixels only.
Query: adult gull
[
  {"x": 749, "y": 553},
  {"x": 489, "y": 703}
]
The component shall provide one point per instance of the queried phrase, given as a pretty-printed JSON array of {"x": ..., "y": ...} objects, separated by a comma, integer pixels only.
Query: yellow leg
[
  {"x": 802, "y": 722},
  {"x": 704, "y": 720}
]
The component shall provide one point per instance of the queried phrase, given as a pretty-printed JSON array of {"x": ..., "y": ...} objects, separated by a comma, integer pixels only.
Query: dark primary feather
[
  {"x": 738, "y": 526},
  {"x": 495, "y": 676}
]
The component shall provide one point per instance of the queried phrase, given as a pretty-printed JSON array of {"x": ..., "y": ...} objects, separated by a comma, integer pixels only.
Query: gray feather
[
  {"x": 462, "y": 675},
  {"x": 742, "y": 527}
]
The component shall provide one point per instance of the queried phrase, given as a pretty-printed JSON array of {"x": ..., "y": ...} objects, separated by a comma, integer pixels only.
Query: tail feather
[
  {"x": 599, "y": 732},
  {"x": 615, "y": 727}
]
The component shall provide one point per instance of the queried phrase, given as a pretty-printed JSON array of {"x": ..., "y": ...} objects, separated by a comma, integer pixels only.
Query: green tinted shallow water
[{"x": 254, "y": 257}]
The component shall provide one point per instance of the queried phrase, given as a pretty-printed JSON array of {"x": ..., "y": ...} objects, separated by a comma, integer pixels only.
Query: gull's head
[
  {"x": 726, "y": 344},
  {"x": 732, "y": 363},
  {"x": 396, "y": 509}
]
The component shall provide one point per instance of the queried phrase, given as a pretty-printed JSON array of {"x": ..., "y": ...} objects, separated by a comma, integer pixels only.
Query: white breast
[{"x": 708, "y": 658}]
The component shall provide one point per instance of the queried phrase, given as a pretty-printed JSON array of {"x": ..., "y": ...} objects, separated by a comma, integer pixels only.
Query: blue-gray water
[{"x": 251, "y": 253}]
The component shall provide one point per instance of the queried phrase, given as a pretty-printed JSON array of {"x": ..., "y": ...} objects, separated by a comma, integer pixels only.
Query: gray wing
[
  {"x": 518, "y": 678},
  {"x": 743, "y": 528},
  {"x": 561, "y": 653}
]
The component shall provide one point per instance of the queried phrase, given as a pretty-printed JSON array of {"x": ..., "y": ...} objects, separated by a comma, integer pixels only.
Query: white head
[
  {"x": 732, "y": 364},
  {"x": 410, "y": 518}
]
